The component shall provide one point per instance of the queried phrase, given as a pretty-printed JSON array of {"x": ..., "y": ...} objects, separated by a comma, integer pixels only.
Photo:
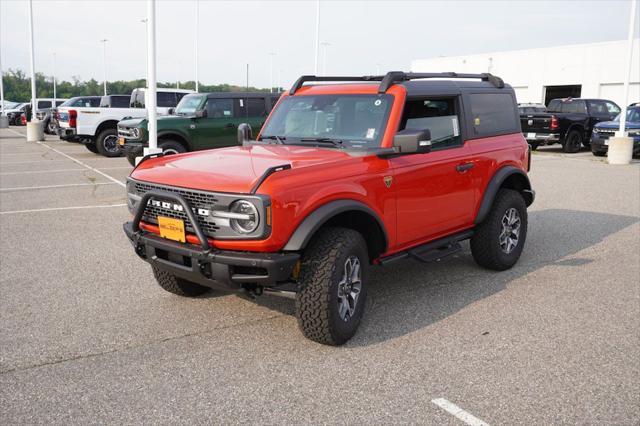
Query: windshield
[
  {"x": 189, "y": 104},
  {"x": 633, "y": 115},
  {"x": 349, "y": 121}
]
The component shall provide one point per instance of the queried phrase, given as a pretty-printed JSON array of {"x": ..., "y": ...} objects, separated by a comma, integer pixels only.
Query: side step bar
[{"x": 433, "y": 250}]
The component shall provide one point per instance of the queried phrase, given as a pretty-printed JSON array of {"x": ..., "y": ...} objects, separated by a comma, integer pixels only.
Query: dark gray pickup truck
[{"x": 568, "y": 122}]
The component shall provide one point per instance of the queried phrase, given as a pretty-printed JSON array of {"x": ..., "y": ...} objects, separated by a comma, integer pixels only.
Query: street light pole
[
  {"x": 271, "y": 55},
  {"x": 54, "y": 76},
  {"x": 146, "y": 53},
  {"x": 32, "y": 64},
  {"x": 151, "y": 99},
  {"x": 317, "y": 44},
  {"x": 196, "y": 41},
  {"x": 324, "y": 44},
  {"x": 104, "y": 63}
]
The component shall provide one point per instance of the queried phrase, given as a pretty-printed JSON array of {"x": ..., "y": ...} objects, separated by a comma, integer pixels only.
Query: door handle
[{"x": 464, "y": 167}]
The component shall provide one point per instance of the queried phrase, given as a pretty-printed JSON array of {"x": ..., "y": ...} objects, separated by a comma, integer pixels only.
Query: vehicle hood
[
  {"x": 12, "y": 110},
  {"x": 235, "y": 169},
  {"x": 133, "y": 122},
  {"x": 616, "y": 125}
]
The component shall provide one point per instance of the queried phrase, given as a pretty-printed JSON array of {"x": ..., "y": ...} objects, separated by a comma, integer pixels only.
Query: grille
[{"x": 197, "y": 200}]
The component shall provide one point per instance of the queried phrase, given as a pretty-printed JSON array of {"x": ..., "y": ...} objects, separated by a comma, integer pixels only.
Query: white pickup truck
[{"x": 97, "y": 128}]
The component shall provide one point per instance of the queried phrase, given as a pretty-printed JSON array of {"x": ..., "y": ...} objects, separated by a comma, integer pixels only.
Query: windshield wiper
[
  {"x": 279, "y": 139},
  {"x": 334, "y": 142}
]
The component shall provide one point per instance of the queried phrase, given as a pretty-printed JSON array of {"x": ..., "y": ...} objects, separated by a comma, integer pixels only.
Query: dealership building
[{"x": 594, "y": 70}]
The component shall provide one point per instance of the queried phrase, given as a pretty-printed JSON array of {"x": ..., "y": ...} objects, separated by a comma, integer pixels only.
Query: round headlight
[{"x": 244, "y": 226}]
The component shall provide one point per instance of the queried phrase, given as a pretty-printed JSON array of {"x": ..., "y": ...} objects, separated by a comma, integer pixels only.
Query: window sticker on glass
[
  {"x": 454, "y": 122},
  {"x": 378, "y": 102},
  {"x": 476, "y": 122},
  {"x": 371, "y": 133},
  {"x": 241, "y": 103},
  {"x": 227, "y": 113}
]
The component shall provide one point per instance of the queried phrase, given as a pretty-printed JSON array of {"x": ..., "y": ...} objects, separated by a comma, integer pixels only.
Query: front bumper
[
  {"x": 542, "y": 138},
  {"x": 204, "y": 265},
  {"x": 600, "y": 143}
]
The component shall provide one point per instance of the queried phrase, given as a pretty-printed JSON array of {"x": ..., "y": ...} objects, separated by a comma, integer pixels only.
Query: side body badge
[{"x": 388, "y": 180}]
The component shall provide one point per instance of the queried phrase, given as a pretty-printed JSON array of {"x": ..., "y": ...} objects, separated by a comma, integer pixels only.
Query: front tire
[
  {"x": 176, "y": 285},
  {"x": 332, "y": 293},
  {"x": 170, "y": 147},
  {"x": 573, "y": 142},
  {"x": 91, "y": 146},
  {"x": 498, "y": 241},
  {"x": 107, "y": 143}
]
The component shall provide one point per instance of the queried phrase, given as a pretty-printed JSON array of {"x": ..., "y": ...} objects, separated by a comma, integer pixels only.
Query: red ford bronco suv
[{"x": 341, "y": 177}]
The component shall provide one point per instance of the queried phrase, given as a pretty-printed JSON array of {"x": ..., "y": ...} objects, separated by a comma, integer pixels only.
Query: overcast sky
[{"x": 233, "y": 33}]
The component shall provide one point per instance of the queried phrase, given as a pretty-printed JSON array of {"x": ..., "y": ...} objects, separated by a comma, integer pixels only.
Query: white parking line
[
  {"x": 458, "y": 412},
  {"x": 62, "y": 208},
  {"x": 40, "y": 171},
  {"x": 32, "y": 162},
  {"x": 24, "y": 188},
  {"x": 83, "y": 164}
]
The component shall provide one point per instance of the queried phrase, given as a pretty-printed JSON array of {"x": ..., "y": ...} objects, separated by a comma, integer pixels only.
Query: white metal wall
[{"x": 597, "y": 67}]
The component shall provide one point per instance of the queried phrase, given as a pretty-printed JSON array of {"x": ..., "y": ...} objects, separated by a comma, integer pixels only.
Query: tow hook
[{"x": 253, "y": 290}]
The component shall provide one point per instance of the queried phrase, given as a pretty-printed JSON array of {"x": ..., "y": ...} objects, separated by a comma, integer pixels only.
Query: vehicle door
[
  {"x": 435, "y": 194},
  {"x": 574, "y": 112},
  {"x": 218, "y": 128}
]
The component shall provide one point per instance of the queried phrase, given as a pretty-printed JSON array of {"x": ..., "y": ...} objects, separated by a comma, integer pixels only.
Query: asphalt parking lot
[{"x": 86, "y": 336}]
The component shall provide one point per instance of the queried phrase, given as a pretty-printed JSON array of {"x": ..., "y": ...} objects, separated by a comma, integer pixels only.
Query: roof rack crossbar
[{"x": 386, "y": 81}]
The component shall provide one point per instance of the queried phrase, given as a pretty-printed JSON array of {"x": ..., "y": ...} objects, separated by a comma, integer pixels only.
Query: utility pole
[
  {"x": 271, "y": 55},
  {"x": 621, "y": 145},
  {"x": 317, "y": 44},
  {"x": 104, "y": 62},
  {"x": 146, "y": 52},
  {"x": 35, "y": 131},
  {"x": 196, "y": 40},
  {"x": 247, "y": 77}
]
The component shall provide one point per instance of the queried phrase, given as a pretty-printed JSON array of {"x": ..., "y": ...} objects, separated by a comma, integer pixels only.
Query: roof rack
[{"x": 392, "y": 77}]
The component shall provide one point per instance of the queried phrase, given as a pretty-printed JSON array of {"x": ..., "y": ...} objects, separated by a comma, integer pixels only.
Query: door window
[
  {"x": 256, "y": 107},
  {"x": 166, "y": 99},
  {"x": 437, "y": 115},
  {"x": 44, "y": 104},
  {"x": 220, "y": 108}
]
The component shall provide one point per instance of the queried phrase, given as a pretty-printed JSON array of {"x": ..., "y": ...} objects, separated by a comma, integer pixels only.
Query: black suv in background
[{"x": 567, "y": 121}]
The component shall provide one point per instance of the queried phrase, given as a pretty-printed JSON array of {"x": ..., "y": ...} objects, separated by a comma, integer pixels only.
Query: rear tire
[
  {"x": 333, "y": 286},
  {"x": 498, "y": 241},
  {"x": 534, "y": 146},
  {"x": 107, "y": 143},
  {"x": 572, "y": 142},
  {"x": 176, "y": 285},
  {"x": 91, "y": 146}
]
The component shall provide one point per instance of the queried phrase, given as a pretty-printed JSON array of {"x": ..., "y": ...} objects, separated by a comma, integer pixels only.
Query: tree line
[{"x": 17, "y": 87}]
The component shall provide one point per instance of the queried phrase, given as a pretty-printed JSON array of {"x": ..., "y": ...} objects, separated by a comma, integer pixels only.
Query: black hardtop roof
[
  {"x": 430, "y": 83},
  {"x": 238, "y": 94},
  {"x": 108, "y": 96},
  {"x": 579, "y": 99}
]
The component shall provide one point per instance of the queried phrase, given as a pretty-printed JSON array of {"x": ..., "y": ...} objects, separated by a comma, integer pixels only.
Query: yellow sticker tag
[
  {"x": 172, "y": 229},
  {"x": 121, "y": 141},
  {"x": 476, "y": 122}
]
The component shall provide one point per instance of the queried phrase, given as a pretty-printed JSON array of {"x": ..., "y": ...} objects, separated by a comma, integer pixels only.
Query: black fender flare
[
  {"x": 494, "y": 186},
  {"x": 308, "y": 227},
  {"x": 176, "y": 135}
]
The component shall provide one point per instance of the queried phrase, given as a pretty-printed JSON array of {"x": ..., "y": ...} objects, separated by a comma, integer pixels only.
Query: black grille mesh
[{"x": 195, "y": 199}]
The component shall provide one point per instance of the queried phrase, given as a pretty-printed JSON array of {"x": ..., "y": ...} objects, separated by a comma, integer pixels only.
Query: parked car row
[{"x": 577, "y": 122}]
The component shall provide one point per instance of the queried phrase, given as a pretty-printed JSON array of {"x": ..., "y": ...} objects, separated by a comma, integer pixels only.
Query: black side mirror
[
  {"x": 410, "y": 141},
  {"x": 201, "y": 113},
  {"x": 245, "y": 134},
  {"x": 171, "y": 111}
]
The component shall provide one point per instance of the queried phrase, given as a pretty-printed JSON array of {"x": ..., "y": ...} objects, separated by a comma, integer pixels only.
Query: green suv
[{"x": 200, "y": 121}]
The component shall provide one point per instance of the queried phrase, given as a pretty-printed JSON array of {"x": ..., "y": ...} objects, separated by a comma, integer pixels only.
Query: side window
[
  {"x": 44, "y": 104},
  {"x": 58, "y": 103},
  {"x": 166, "y": 99},
  {"x": 219, "y": 108},
  {"x": 256, "y": 107},
  {"x": 493, "y": 114},
  {"x": 570, "y": 107},
  {"x": 612, "y": 108},
  {"x": 119, "y": 102},
  {"x": 437, "y": 115}
]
